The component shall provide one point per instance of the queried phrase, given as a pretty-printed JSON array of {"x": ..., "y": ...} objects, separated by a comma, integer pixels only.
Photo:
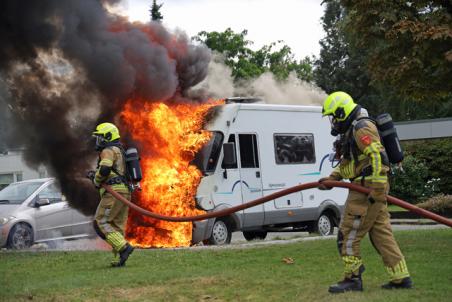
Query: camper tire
[
  {"x": 221, "y": 232},
  {"x": 324, "y": 226},
  {"x": 252, "y": 235}
]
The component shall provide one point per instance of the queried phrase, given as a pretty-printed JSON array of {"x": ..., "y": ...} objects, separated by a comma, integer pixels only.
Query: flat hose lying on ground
[{"x": 301, "y": 187}]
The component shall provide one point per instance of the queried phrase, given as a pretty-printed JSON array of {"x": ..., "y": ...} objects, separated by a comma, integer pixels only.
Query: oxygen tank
[
  {"x": 390, "y": 138},
  {"x": 133, "y": 164}
]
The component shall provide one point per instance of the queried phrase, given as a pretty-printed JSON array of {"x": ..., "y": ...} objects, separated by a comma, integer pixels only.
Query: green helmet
[
  {"x": 338, "y": 104},
  {"x": 105, "y": 133}
]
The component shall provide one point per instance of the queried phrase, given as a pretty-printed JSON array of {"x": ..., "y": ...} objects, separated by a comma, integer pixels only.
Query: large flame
[{"x": 169, "y": 137}]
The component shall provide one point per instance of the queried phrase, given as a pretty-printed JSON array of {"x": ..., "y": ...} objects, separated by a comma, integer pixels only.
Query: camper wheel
[
  {"x": 324, "y": 226},
  {"x": 252, "y": 235},
  {"x": 221, "y": 232}
]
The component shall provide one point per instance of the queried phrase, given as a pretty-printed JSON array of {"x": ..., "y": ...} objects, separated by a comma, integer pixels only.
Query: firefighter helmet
[
  {"x": 338, "y": 104},
  {"x": 105, "y": 133}
]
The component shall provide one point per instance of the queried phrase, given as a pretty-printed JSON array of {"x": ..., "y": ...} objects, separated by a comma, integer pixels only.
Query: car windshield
[
  {"x": 16, "y": 193},
  {"x": 206, "y": 159}
]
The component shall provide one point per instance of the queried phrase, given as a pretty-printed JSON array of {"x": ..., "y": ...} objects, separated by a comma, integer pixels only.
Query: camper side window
[
  {"x": 294, "y": 149},
  {"x": 248, "y": 151},
  {"x": 231, "y": 139}
]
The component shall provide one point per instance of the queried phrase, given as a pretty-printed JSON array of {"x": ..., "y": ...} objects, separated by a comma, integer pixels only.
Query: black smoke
[{"x": 67, "y": 65}]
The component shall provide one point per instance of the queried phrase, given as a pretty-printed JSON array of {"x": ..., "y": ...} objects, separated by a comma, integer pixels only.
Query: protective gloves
[
  {"x": 92, "y": 176},
  {"x": 322, "y": 186}
]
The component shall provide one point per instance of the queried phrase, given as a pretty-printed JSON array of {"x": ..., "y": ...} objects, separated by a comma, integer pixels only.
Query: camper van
[{"x": 258, "y": 149}]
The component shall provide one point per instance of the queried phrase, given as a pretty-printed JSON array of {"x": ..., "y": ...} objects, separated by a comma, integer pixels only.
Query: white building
[{"x": 13, "y": 168}]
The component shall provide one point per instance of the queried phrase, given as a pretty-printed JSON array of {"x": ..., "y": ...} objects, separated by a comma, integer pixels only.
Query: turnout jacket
[
  {"x": 112, "y": 158},
  {"x": 365, "y": 157}
]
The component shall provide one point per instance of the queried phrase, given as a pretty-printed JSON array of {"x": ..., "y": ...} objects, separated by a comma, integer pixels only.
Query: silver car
[{"x": 35, "y": 211}]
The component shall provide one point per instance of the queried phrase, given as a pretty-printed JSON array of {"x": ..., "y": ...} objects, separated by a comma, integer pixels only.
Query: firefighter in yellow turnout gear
[
  {"x": 111, "y": 214},
  {"x": 363, "y": 161}
]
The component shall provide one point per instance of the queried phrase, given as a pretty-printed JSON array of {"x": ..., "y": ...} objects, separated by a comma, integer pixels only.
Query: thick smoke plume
[
  {"x": 219, "y": 83},
  {"x": 67, "y": 65}
]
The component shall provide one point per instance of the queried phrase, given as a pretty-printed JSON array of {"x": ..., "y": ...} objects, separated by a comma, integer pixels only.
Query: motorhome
[{"x": 257, "y": 149}]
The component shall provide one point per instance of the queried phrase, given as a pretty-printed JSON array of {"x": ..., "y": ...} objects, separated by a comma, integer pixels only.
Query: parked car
[{"x": 34, "y": 211}]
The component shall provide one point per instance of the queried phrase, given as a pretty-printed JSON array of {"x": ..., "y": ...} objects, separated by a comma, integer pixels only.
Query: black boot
[
  {"x": 355, "y": 283},
  {"x": 124, "y": 255},
  {"x": 404, "y": 283}
]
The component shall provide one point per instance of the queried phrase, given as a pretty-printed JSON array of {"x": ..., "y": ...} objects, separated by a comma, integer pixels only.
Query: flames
[{"x": 169, "y": 137}]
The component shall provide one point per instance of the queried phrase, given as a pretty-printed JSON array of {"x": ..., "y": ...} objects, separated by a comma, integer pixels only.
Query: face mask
[
  {"x": 337, "y": 127},
  {"x": 100, "y": 143}
]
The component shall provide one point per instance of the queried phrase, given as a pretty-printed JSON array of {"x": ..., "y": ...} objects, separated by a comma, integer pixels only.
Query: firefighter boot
[
  {"x": 405, "y": 283},
  {"x": 352, "y": 283},
  {"x": 124, "y": 255},
  {"x": 399, "y": 276}
]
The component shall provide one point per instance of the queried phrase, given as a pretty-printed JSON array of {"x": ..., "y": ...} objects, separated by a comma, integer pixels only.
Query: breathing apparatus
[
  {"x": 107, "y": 135},
  {"x": 343, "y": 114}
]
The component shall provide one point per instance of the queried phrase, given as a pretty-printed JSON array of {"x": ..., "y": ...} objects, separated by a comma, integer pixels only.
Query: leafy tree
[
  {"x": 246, "y": 63},
  {"x": 407, "y": 44},
  {"x": 340, "y": 67},
  {"x": 156, "y": 15},
  {"x": 343, "y": 65}
]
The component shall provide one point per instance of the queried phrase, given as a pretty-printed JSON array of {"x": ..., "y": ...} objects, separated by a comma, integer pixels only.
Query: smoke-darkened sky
[{"x": 67, "y": 65}]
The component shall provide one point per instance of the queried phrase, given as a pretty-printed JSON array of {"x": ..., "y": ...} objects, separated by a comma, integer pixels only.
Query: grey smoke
[
  {"x": 219, "y": 83},
  {"x": 67, "y": 65}
]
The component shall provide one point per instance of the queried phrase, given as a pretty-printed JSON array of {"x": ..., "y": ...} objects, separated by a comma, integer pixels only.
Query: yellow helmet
[
  {"x": 338, "y": 104},
  {"x": 105, "y": 133}
]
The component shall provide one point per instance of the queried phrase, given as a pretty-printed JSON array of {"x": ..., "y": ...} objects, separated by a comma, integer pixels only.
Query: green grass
[
  {"x": 248, "y": 274},
  {"x": 394, "y": 208}
]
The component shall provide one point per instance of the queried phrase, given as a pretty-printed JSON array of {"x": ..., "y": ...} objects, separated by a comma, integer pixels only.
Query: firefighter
[
  {"x": 111, "y": 214},
  {"x": 363, "y": 161}
]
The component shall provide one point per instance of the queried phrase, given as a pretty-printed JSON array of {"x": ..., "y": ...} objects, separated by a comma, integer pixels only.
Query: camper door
[{"x": 250, "y": 178}]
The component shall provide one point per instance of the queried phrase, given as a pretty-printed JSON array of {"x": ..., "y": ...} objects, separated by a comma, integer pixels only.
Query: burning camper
[{"x": 213, "y": 156}]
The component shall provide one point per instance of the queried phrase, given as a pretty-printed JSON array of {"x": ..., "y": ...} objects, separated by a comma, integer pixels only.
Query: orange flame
[{"x": 169, "y": 137}]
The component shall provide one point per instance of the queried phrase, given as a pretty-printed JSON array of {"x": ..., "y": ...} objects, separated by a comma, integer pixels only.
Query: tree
[
  {"x": 246, "y": 63},
  {"x": 340, "y": 67},
  {"x": 407, "y": 44},
  {"x": 343, "y": 65},
  {"x": 156, "y": 15}
]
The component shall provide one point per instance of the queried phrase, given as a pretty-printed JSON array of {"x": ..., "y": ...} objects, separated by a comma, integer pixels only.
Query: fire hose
[{"x": 301, "y": 187}]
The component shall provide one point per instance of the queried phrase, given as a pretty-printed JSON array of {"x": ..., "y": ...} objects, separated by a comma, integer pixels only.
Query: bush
[
  {"x": 437, "y": 154},
  {"x": 412, "y": 183},
  {"x": 441, "y": 204}
]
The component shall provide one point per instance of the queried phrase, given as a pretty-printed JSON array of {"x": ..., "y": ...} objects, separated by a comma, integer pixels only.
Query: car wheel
[
  {"x": 324, "y": 225},
  {"x": 20, "y": 237},
  {"x": 221, "y": 233},
  {"x": 252, "y": 235}
]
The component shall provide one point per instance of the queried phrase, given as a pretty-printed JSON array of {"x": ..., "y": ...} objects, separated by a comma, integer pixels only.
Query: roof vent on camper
[{"x": 243, "y": 100}]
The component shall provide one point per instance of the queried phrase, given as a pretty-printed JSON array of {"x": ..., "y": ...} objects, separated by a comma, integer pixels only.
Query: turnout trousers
[
  {"x": 110, "y": 220},
  {"x": 360, "y": 217}
]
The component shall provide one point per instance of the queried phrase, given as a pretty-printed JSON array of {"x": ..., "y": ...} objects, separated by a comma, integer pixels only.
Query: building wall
[
  {"x": 13, "y": 168},
  {"x": 424, "y": 129}
]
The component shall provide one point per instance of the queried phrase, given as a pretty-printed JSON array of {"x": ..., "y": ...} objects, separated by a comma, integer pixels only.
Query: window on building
[
  {"x": 19, "y": 176},
  {"x": 248, "y": 151},
  {"x": 6, "y": 179},
  {"x": 294, "y": 148}
]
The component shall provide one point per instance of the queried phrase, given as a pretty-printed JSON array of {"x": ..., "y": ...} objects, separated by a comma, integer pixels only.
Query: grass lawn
[
  {"x": 239, "y": 274},
  {"x": 394, "y": 208}
]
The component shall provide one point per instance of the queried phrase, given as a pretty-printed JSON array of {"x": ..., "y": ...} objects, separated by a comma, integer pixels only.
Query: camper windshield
[{"x": 206, "y": 159}]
